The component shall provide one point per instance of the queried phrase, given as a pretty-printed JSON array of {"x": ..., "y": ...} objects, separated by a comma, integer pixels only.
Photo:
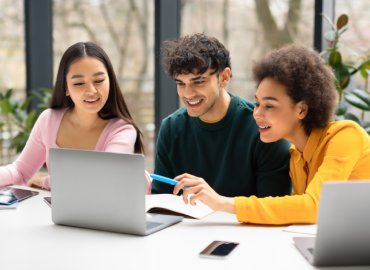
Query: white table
[{"x": 30, "y": 240}]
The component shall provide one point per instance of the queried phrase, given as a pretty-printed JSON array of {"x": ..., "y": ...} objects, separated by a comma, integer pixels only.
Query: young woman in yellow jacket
[{"x": 295, "y": 100}]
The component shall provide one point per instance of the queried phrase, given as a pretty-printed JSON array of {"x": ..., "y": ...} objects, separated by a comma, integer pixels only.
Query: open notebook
[{"x": 173, "y": 204}]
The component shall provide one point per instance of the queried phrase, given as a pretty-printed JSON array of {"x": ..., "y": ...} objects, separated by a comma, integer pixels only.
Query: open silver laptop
[
  {"x": 102, "y": 191},
  {"x": 343, "y": 226}
]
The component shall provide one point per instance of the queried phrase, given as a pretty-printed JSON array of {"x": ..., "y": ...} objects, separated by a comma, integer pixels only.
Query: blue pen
[{"x": 165, "y": 179}]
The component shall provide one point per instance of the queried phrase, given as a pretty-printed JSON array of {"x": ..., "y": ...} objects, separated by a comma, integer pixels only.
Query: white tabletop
[{"x": 30, "y": 240}]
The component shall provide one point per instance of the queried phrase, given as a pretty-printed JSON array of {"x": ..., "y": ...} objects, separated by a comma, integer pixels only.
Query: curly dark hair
[
  {"x": 194, "y": 53},
  {"x": 305, "y": 77}
]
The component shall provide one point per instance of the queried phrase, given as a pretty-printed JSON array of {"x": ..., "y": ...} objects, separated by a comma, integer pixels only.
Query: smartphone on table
[
  {"x": 218, "y": 249},
  {"x": 47, "y": 200}
]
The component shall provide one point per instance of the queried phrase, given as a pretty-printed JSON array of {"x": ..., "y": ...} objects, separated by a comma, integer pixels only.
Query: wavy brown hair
[
  {"x": 115, "y": 105},
  {"x": 305, "y": 77}
]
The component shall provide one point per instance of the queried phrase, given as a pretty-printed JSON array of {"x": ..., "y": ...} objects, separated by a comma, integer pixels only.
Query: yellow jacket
[{"x": 340, "y": 151}]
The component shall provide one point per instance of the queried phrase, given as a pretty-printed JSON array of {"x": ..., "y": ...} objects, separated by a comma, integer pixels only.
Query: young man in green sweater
[{"x": 214, "y": 140}]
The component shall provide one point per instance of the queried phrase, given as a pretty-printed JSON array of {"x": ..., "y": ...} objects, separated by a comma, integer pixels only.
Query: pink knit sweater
[{"x": 118, "y": 136}]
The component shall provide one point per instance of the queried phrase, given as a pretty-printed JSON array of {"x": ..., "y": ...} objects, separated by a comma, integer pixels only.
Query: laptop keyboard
[
  {"x": 311, "y": 250},
  {"x": 151, "y": 225}
]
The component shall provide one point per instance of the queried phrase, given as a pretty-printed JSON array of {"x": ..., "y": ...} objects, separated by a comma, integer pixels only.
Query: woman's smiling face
[
  {"x": 275, "y": 113},
  {"x": 88, "y": 84}
]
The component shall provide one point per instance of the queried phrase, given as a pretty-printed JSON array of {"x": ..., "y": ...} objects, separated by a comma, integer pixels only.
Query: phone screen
[{"x": 218, "y": 249}]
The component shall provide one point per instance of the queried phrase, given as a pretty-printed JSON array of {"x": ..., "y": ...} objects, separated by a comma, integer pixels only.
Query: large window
[
  {"x": 12, "y": 54},
  {"x": 12, "y": 67},
  {"x": 357, "y": 37},
  {"x": 249, "y": 29},
  {"x": 125, "y": 30},
  {"x": 355, "y": 42}
]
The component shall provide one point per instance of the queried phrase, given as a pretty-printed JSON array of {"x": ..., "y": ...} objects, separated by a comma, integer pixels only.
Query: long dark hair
[{"x": 115, "y": 105}]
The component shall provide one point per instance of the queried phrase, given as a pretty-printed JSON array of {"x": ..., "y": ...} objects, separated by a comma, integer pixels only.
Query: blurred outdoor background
[{"x": 125, "y": 30}]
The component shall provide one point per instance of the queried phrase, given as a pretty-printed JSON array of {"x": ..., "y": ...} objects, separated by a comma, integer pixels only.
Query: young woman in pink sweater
[{"x": 87, "y": 111}]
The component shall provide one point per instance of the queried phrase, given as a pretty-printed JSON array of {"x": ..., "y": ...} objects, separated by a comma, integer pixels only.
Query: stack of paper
[
  {"x": 8, "y": 206},
  {"x": 306, "y": 229}
]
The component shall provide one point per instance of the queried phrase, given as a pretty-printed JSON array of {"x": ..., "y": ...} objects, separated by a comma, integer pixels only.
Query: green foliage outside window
[
  {"x": 359, "y": 98},
  {"x": 13, "y": 114}
]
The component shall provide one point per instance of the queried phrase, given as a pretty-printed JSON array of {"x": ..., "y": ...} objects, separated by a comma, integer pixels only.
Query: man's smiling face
[{"x": 198, "y": 92}]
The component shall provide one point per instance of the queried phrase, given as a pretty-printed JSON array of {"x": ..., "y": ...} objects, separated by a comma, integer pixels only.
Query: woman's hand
[
  {"x": 35, "y": 182},
  {"x": 202, "y": 192}
]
